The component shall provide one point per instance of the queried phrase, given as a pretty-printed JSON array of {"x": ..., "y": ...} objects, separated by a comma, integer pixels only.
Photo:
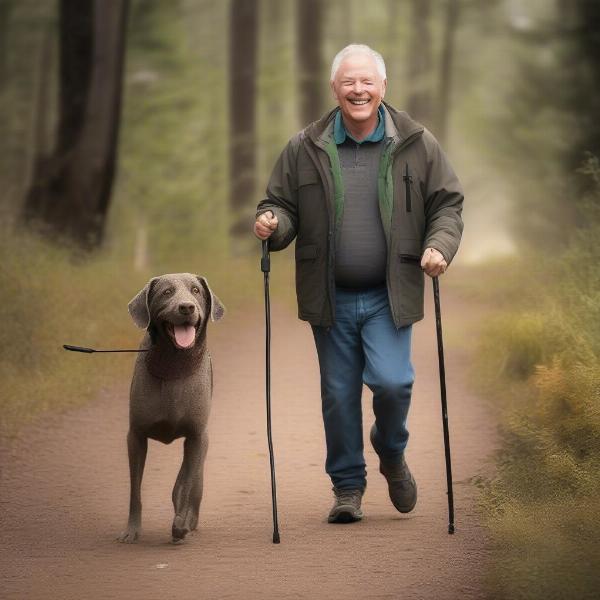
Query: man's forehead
[{"x": 357, "y": 61}]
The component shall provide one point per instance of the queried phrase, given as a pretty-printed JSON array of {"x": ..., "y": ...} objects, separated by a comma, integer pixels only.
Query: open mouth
[
  {"x": 359, "y": 101},
  {"x": 182, "y": 336}
]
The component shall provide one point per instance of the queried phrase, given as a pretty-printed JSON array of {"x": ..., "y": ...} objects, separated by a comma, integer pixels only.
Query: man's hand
[
  {"x": 433, "y": 262},
  {"x": 265, "y": 225}
]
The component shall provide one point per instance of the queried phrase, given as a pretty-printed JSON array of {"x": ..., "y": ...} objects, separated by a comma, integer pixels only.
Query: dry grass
[
  {"x": 539, "y": 363},
  {"x": 52, "y": 297}
]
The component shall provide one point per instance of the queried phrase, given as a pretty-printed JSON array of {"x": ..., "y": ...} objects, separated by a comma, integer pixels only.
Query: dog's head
[{"x": 176, "y": 307}]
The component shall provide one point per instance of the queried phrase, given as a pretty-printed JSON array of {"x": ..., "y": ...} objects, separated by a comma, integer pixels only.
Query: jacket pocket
[
  {"x": 307, "y": 252},
  {"x": 310, "y": 197},
  {"x": 407, "y": 182},
  {"x": 411, "y": 259},
  {"x": 307, "y": 177},
  {"x": 408, "y": 278},
  {"x": 310, "y": 280}
]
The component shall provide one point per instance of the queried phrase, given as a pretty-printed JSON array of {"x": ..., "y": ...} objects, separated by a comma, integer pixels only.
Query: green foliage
[
  {"x": 172, "y": 184},
  {"x": 49, "y": 300},
  {"x": 541, "y": 364}
]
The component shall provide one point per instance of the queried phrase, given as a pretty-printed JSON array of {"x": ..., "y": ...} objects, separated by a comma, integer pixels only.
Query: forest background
[{"x": 137, "y": 138}]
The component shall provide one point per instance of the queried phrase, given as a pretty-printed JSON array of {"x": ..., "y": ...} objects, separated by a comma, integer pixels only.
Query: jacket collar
[{"x": 398, "y": 125}]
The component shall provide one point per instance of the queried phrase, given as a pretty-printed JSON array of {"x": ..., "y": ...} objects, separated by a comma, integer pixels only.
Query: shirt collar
[{"x": 340, "y": 133}]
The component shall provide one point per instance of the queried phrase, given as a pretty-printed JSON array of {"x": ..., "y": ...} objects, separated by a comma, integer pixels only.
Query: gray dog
[{"x": 171, "y": 389}]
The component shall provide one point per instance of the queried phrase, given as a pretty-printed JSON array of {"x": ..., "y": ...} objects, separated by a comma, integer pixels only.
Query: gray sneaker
[
  {"x": 402, "y": 486},
  {"x": 346, "y": 507}
]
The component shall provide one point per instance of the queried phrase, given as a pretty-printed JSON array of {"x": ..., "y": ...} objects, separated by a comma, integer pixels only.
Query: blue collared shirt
[{"x": 340, "y": 132}]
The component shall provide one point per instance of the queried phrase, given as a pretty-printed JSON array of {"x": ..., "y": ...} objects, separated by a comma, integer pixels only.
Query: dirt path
[{"x": 64, "y": 491}]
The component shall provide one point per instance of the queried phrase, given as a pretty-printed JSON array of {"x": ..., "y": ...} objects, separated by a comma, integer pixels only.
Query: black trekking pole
[
  {"x": 438, "y": 323},
  {"x": 265, "y": 265}
]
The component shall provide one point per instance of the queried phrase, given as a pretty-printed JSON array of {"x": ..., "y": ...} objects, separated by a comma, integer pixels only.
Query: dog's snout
[{"x": 187, "y": 308}]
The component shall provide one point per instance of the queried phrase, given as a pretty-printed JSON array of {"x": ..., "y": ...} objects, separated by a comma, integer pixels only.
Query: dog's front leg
[
  {"x": 137, "y": 446},
  {"x": 187, "y": 492}
]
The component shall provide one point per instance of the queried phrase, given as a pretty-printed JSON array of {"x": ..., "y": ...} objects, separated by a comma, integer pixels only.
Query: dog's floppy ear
[
  {"x": 216, "y": 308},
  {"x": 139, "y": 308}
]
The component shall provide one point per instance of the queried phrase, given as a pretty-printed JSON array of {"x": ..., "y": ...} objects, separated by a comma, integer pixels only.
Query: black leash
[
  {"x": 90, "y": 350},
  {"x": 265, "y": 266},
  {"x": 438, "y": 323}
]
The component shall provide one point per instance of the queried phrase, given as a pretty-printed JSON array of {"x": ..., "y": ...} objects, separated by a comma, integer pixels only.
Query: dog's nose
[{"x": 186, "y": 308}]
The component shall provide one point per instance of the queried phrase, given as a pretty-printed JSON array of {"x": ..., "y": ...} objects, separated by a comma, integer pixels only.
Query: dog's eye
[
  {"x": 195, "y": 290},
  {"x": 167, "y": 292}
]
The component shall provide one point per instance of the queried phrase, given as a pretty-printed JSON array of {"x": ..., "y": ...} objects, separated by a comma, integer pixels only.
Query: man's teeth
[{"x": 359, "y": 101}]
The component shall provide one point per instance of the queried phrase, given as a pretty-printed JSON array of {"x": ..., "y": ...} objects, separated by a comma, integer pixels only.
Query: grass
[
  {"x": 539, "y": 363},
  {"x": 53, "y": 296}
]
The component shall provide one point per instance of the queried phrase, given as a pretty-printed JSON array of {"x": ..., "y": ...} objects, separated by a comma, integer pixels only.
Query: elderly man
[{"x": 373, "y": 203}]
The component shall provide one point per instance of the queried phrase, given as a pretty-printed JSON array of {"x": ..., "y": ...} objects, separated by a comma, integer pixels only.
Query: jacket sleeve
[
  {"x": 282, "y": 196},
  {"x": 443, "y": 202}
]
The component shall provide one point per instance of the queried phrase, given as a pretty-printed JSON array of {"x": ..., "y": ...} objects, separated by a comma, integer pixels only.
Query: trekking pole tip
[
  {"x": 451, "y": 528},
  {"x": 276, "y": 539}
]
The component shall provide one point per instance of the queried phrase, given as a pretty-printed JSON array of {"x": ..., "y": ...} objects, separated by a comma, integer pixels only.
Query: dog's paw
[
  {"x": 179, "y": 530},
  {"x": 129, "y": 536}
]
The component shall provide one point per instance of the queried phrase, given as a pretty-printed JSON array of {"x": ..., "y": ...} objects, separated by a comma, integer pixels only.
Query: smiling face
[
  {"x": 358, "y": 89},
  {"x": 177, "y": 308}
]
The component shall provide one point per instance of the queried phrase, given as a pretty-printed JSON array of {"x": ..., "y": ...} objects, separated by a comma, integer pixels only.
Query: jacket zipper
[{"x": 407, "y": 181}]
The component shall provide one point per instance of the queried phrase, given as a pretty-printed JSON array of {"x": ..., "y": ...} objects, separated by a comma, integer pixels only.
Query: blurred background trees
[
  {"x": 226, "y": 84},
  {"x": 216, "y": 86},
  {"x": 71, "y": 184}
]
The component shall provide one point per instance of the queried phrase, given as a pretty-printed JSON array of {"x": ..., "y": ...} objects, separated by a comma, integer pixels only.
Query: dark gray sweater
[{"x": 361, "y": 253}]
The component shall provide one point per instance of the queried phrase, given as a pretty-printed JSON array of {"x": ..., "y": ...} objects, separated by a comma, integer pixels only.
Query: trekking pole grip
[{"x": 265, "y": 261}]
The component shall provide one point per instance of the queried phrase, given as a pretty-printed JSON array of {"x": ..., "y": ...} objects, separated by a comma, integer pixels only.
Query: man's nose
[{"x": 358, "y": 88}]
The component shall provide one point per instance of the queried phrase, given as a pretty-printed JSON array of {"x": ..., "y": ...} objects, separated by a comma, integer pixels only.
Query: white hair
[{"x": 358, "y": 49}]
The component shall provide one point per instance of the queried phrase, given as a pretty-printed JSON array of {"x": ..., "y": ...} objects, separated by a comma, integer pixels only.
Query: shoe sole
[{"x": 345, "y": 515}]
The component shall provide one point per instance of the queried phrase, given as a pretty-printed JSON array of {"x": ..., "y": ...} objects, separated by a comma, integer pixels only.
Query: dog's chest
[{"x": 170, "y": 409}]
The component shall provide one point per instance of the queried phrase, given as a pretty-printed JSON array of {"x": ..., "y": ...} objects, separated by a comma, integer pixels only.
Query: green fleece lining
[
  {"x": 338, "y": 186},
  {"x": 385, "y": 190}
]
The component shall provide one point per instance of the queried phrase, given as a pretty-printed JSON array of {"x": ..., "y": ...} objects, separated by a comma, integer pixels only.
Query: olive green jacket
[{"x": 420, "y": 201}]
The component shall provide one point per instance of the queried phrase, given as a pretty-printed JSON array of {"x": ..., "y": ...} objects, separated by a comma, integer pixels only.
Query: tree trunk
[
  {"x": 419, "y": 62},
  {"x": 70, "y": 191},
  {"x": 6, "y": 7},
  {"x": 40, "y": 130},
  {"x": 446, "y": 63},
  {"x": 242, "y": 109},
  {"x": 311, "y": 79}
]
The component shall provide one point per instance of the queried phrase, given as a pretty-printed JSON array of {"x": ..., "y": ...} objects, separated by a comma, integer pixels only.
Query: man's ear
[
  {"x": 215, "y": 306},
  {"x": 333, "y": 92},
  {"x": 139, "y": 307},
  {"x": 384, "y": 88}
]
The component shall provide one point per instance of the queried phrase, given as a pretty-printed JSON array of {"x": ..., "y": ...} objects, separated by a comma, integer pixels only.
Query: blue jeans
[{"x": 363, "y": 346}]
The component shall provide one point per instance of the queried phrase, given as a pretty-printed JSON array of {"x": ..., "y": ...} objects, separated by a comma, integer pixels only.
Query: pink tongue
[{"x": 184, "y": 335}]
